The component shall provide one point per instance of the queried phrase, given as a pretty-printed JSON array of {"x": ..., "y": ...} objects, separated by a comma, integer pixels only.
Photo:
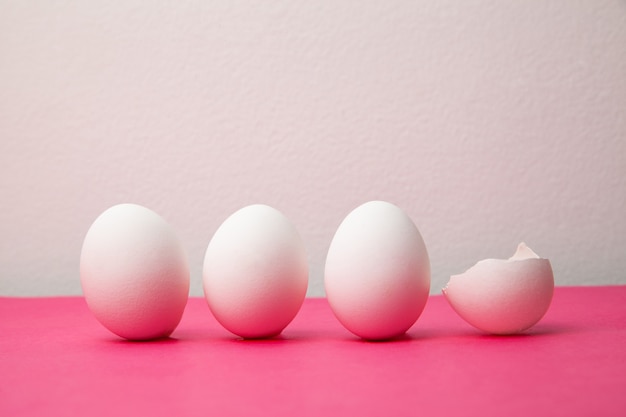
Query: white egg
[
  {"x": 503, "y": 296},
  {"x": 134, "y": 273},
  {"x": 255, "y": 272},
  {"x": 377, "y": 274}
]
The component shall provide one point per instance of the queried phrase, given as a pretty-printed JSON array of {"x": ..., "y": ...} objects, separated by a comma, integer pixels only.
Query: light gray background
[{"x": 489, "y": 122}]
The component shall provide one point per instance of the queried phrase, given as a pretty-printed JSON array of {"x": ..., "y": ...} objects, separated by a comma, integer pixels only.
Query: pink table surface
[{"x": 55, "y": 359}]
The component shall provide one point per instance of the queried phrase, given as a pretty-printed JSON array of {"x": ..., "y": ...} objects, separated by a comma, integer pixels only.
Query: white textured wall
[{"x": 489, "y": 122}]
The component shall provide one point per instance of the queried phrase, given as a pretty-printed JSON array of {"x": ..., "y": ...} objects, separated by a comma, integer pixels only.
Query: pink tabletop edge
[{"x": 57, "y": 360}]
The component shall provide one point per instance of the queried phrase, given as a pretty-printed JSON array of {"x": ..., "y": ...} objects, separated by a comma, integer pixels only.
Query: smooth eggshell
[
  {"x": 377, "y": 274},
  {"x": 255, "y": 272},
  {"x": 134, "y": 273},
  {"x": 503, "y": 296}
]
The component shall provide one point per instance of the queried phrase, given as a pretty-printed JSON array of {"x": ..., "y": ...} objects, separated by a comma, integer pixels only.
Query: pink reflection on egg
[{"x": 503, "y": 296}]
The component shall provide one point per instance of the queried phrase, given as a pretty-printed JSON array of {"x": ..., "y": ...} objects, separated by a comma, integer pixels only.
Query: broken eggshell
[{"x": 503, "y": 296}]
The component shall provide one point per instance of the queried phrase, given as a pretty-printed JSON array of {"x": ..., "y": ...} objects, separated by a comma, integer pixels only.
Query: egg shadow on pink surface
[
  {"x": 403, "y": 338},
  {"x": 162, "y": 341},
  {"x": 539, "y": 331},
  {"x": 290, "y": 338},
  {"x": 277, "y": 339}
]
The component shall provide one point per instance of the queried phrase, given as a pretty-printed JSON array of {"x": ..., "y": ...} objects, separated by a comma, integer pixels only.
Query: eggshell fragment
[
  {"x": 503, "y": 296},
  {"x": 377, "y": 274},
  {"x": 134, "y": 273},
  {"x": 255, "y": 272}
]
